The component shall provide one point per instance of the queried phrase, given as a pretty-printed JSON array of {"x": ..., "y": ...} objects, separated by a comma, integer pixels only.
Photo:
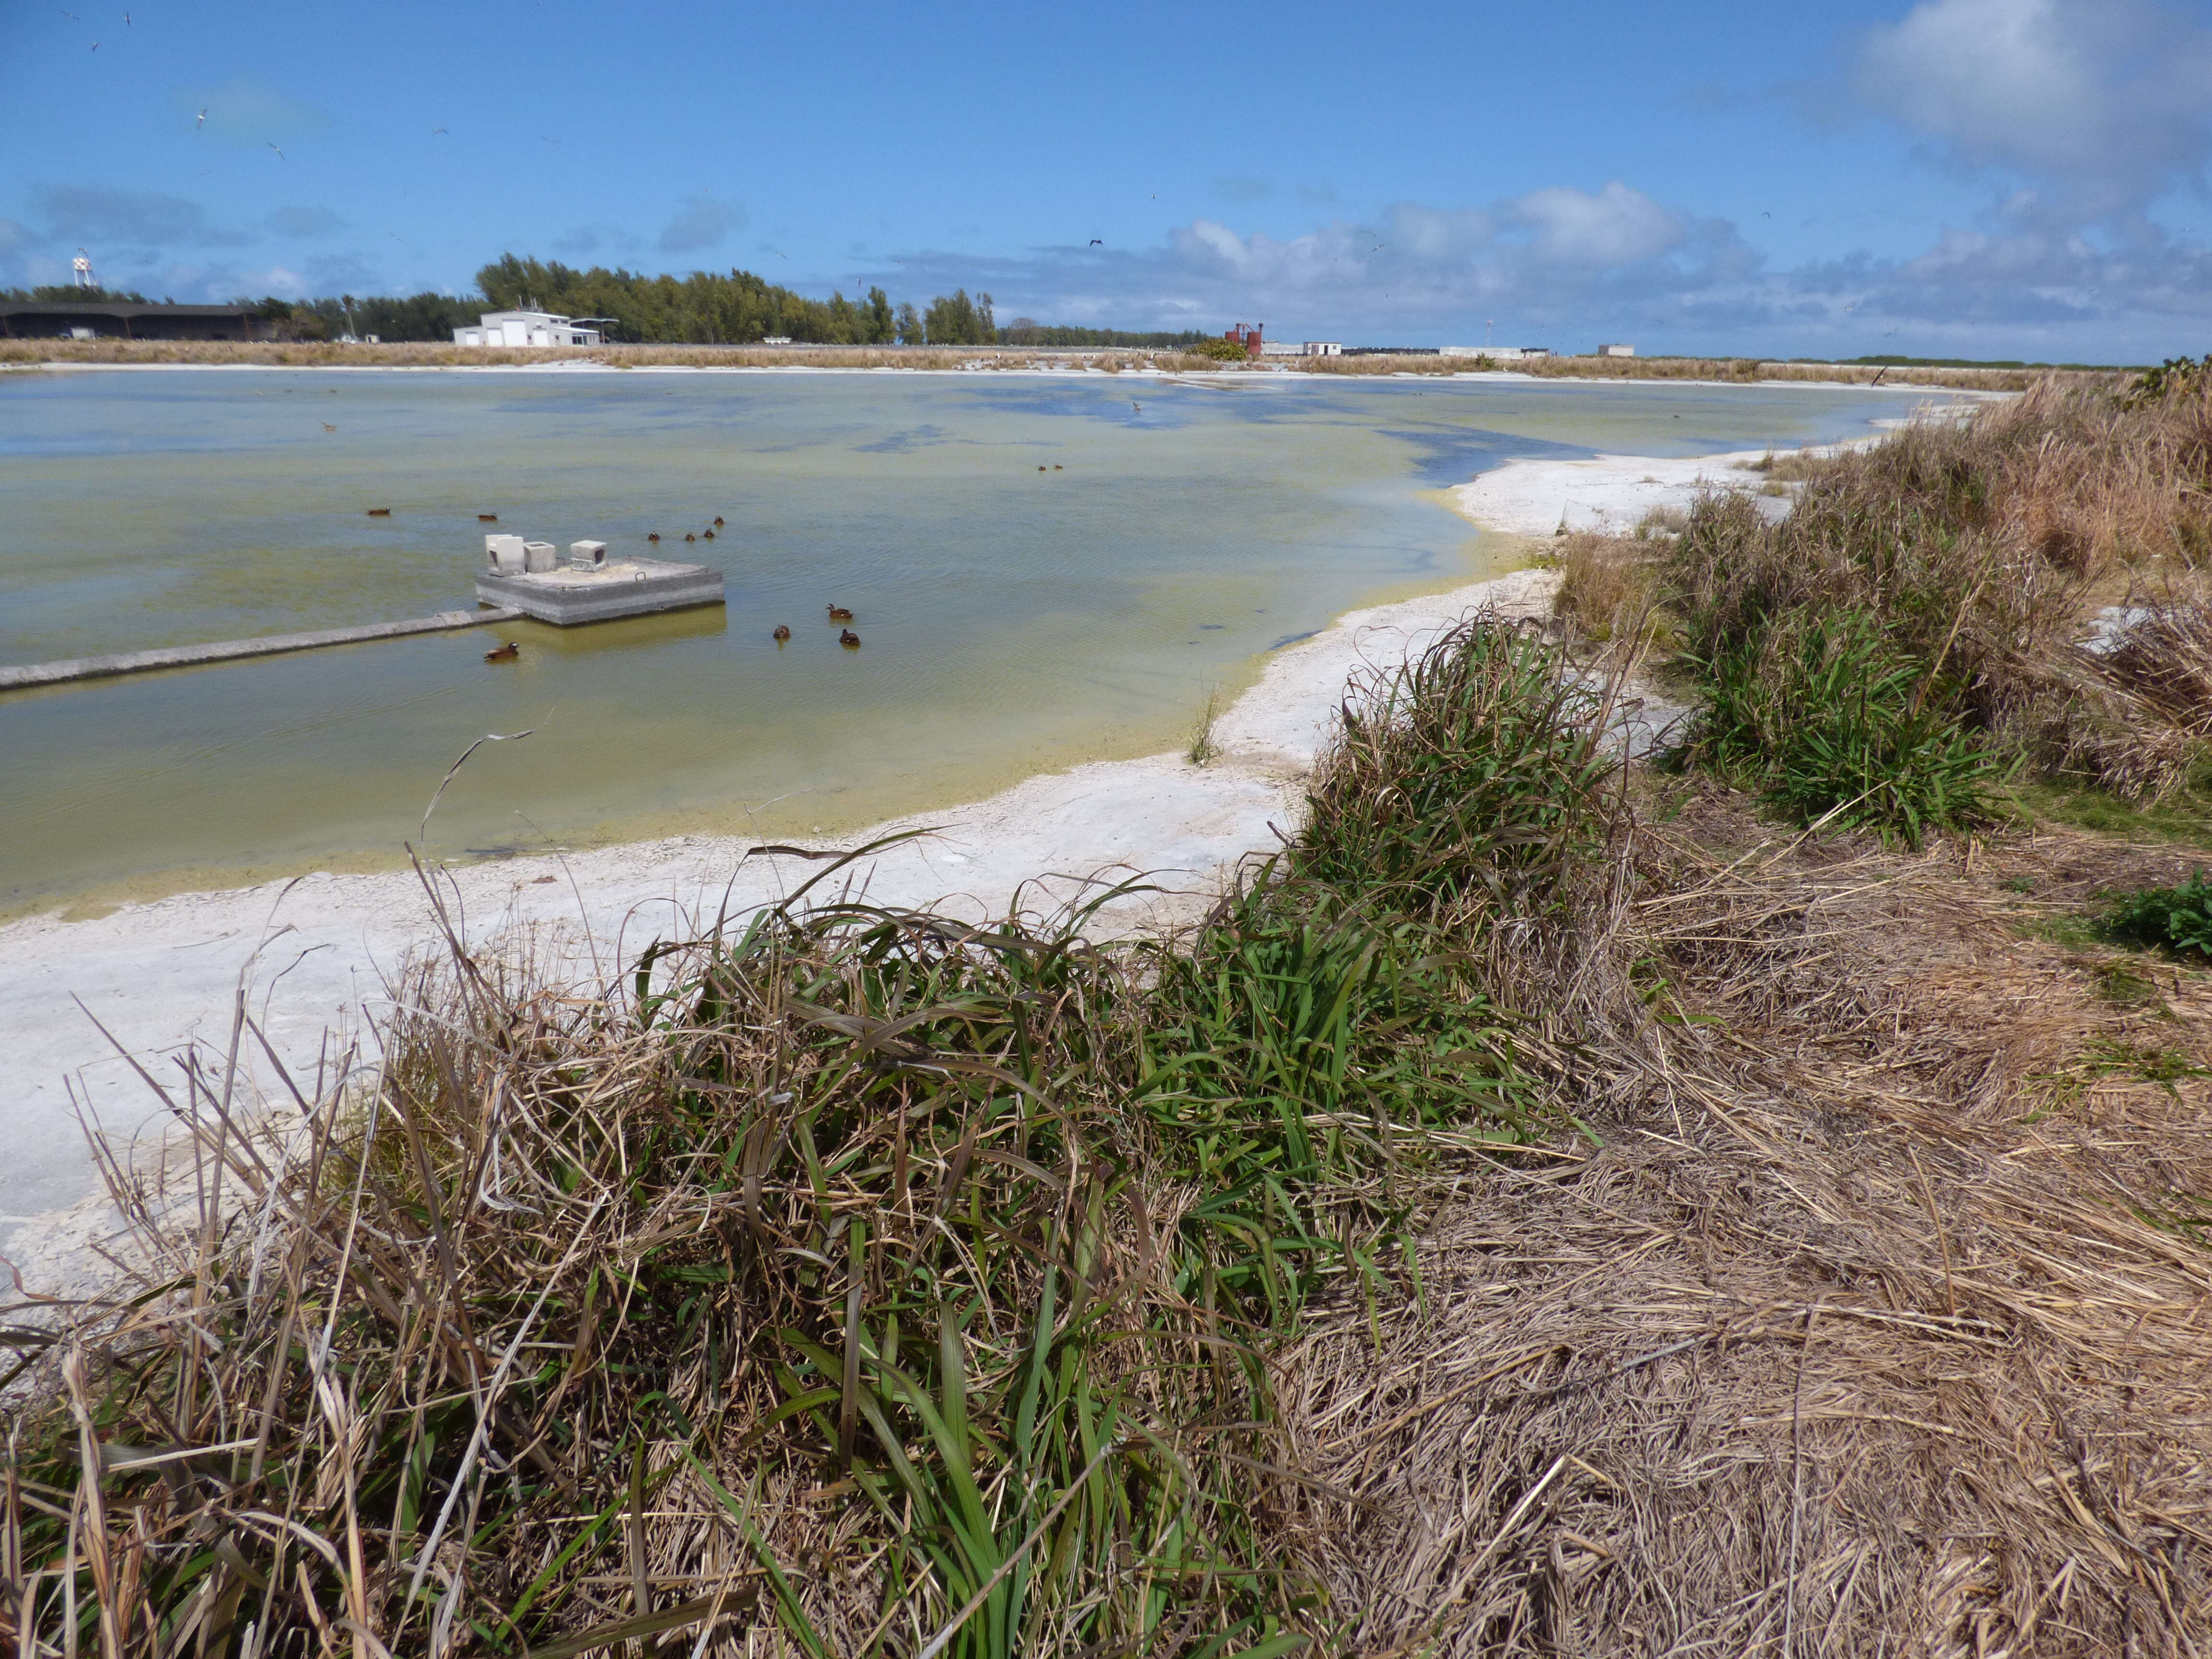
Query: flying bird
[
  {"x": 95, "y": 46},
  {"x": 434, "y": 131},
  {"x": 280, "y": 153},
  {"x": 1096, "y": 242},
  {"x": 202, "y": 122},
  {"x": 1765, "y": 215}
]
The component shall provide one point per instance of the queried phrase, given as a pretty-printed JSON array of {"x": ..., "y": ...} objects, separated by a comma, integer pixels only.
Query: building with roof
[
  {"x": 529, "y": 328},
  {"x": 114, "y": 319}
]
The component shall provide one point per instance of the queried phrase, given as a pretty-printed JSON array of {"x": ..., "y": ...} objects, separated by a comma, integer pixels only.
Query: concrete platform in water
[{"x": 590, "y": 587}]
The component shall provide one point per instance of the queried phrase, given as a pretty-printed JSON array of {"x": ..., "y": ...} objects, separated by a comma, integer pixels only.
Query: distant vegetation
[
  {"x": 631, "y": 307},
  {"x": 53, "y": 292}
]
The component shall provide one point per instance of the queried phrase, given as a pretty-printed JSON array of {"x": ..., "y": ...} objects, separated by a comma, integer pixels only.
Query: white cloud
[
  {"x": 2103, "y": 102},
  {"x": 1570, "y": 267},
  {"x": 1617, "y": 226}
]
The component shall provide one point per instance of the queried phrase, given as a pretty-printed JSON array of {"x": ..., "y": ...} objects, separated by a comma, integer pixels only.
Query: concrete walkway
[{"x": 191, "y": 656}]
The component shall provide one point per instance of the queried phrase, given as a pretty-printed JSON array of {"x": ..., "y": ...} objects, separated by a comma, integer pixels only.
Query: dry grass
[
  {"x": 821, "y": 1283},
  {"x": 1608, "y": 585},
  {"x": 823, "y": 1280},
  {"x": 1743, "y": 371},
  {"x": 1980, "y": 549},
  {"x": 1870, "y": 1329}
]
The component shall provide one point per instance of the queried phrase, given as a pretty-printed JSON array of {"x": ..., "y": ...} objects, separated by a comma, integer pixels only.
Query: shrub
[
  {"x": 1828, "y": 720},
  {"x": 2178, "y": 918},
  {"x": 1222, "y": 351},
  {"x": 1605, "y": 587}
]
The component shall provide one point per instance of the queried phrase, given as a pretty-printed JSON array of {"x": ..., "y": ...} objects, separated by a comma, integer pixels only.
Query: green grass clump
[
  {"x": 1826, "y": 718},
  {"x": 2178, "y": 918},
  {"x": 860, "y": 1275}
]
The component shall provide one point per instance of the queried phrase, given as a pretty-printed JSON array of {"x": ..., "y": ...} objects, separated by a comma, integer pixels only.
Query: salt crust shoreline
[{"x": 316, "y": 953}]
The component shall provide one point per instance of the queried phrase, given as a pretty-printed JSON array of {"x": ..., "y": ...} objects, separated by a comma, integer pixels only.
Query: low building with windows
[
  {"x": 1616, "y": 351},
  {"x": 529, "y": 328}
]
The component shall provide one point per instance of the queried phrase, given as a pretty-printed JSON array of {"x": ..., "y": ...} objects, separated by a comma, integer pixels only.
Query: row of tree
[{"x": 704, "y": 308}]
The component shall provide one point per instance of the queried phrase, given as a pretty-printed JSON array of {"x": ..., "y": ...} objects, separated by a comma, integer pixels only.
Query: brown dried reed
[{"x": 1872, "y": 1328}]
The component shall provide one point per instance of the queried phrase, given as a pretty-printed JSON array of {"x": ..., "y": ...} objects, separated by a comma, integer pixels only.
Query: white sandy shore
[{"x": 315, "y": 953}]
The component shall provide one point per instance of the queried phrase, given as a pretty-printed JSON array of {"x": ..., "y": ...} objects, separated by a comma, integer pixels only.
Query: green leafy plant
[
  {"x": 1832, "y": 723},
  {"x": 2177, "y": 918}
]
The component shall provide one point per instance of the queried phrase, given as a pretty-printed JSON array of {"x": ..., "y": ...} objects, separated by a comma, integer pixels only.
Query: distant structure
[
  {"x": 1301, "y": 348},
  {"x": 81, "y": 269},
  {"x": 1616, "y": 351},
  {"x": 775, "y": 339},
  {"x": 529, "y": 328},
  {"x": 1499, "y": 354},
  {"x": 115, "y": 320},
  {"x": 1248, "y": 336}
]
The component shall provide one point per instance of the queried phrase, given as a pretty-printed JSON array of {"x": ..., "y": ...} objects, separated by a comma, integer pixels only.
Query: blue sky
[{"x": 1982, "y": 178}]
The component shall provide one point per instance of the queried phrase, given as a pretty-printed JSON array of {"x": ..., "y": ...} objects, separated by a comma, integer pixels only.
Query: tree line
[{"x": 703, "y": 308}]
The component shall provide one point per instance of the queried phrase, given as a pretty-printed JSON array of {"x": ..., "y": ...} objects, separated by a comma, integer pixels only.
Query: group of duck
[
  {"x": 838, "y": 613},
  {"x": 708, "y": 534}
]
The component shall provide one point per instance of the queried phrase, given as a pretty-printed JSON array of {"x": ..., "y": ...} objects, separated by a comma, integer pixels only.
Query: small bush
[
  {"x": 1828, "y": 720},
  {"x": 1605, "y": 585},
  {"x": 1222, "y": 351},
  {"x": 2178, "y": 918}
]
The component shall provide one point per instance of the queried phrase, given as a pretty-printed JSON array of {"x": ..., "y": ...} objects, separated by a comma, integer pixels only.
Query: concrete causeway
[{"x": 189, "y": 656}]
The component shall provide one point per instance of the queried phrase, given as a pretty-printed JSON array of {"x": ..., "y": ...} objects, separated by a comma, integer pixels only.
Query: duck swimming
[
  {"x": 838, "y": 613},
  {"x": 654, "y": 537},
  {"x": 487, "y": 517},
  {"x": 507, "y": 653},
  {"x": 848, "y": 639},
  {"x": 782, "y": 633},
  {"x": 379, "y": 512},
  {"x": 717, "y": 521}
]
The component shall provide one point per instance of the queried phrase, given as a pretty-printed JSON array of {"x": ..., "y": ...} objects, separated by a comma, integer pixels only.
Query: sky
[{"x": 1985, "y": 179}]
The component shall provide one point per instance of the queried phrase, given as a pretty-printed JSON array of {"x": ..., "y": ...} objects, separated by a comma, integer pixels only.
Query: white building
[
  {"x": 526, "y": 328},
  {"x": 1616, "y": 351},
  {"x": 1498, "y": 354}
]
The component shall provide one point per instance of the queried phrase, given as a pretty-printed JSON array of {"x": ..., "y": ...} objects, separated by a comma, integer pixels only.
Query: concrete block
[
  {"x": 504, "y": 555},
  {"x": 586, "y": 556},
  {"x": 627, "y": 587},
  {"x": 539, "y": 558}
]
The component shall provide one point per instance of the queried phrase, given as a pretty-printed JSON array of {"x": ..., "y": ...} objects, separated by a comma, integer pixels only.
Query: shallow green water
[{"x": 1013, "y": 620}]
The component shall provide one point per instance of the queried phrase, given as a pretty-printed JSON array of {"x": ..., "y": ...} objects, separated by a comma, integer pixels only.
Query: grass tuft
[{"x": 851, "y": 1273}]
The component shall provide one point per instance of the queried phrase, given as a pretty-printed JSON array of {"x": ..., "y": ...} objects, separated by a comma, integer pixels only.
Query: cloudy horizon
[{"x": 1995, "y": 179}]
